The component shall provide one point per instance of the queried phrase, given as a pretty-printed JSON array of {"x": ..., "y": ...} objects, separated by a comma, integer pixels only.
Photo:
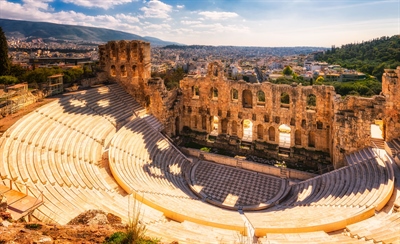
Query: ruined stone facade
[{"x": 289, "y": 122}]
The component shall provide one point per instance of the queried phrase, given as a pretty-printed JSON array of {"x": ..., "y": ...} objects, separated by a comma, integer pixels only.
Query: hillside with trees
[{"x": 370, "y": 57}]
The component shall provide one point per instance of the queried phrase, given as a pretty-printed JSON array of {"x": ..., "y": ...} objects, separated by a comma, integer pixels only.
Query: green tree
[
  {"x": 287, "y": 70},
  {"x": 8, "y": 80},
  {"x": 4, "y": 60}
]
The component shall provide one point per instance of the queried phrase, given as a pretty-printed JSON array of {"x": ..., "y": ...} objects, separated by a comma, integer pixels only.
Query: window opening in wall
[
  {"x": 214, "y": 93},
  {"x": 260, "y": 98},
  {"x": 113, "y": 72},
  {"x": 235, "y": 94},
  {"x": 214, "y": 126},
  {"x": 319, "y": 125},
  {"x": 247, "y": 130},
  {"x": 285, "y": 98},
  {"x": 203, "y": 122},
  {"x": 195, "y": 91},
  {"x": 247, "y": 99},
  {"x": 284, "y": 135},
  {"x": 123, "y": 71},
  {"x": 377, "y": 130},
  {"x": 311, "y": 102}
]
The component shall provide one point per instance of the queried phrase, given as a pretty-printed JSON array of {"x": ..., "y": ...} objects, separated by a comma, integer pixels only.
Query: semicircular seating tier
[
  {"x": 57, "y": 152},
  {"x": 146, "y": 163}
]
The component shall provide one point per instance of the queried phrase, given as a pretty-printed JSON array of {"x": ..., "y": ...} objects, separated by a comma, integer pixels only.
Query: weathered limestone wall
[
  {"x": 322, "y": 126},
  {"x": 391, "y": 89},
  {"x": 352, "y": 124},
  {"x": 306, "y": 122}
]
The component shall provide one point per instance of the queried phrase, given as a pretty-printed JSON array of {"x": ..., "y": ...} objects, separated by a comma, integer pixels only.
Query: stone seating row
[
  {"x": 45, "y": 155},
  {"x": 383, "y": 228},
  {"x": 317, "y": 237},
  {"x": 136, "y": 151},
  {"x": 362, "y": 184},
  {"x": 360, "y": 156}
]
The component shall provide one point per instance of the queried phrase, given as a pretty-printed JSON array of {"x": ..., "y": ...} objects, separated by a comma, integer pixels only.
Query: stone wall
[
  {"x": 352, "y": 124},
  {"x": 307, "y": 124}
]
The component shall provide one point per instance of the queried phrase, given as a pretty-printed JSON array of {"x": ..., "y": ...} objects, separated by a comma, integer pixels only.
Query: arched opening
[
  {"x": 271, "y": 133},
  {"x": 234, "y": 128},
  {"x": 311, "y": 101},
  {"x": 195, "y": 121},
  {"x": 247, "y": 130},
  {"x": 134, "y": 70},
  {"x": 215, "y": 70},
  {"x": 214, "y": 93},
  {"x": 234, "y": 94},
  {"x": 260, "y": 98},
  {"x": 203, "y": 122},
  {"x": 112, "y": 71},
  {"x": 260, "y": 132},
  {"x": 224, "y": 126},
  {"x": 113, "y": 53},
  {"x": 285, "y": 99},
  {"x": 284, "y": 136},
  {"x": 122, "y": 48},
  {"x": 311, "y": 139},
  {"x": 123, "y": 71},
  {"x": 247, "y": 99},
  {"x": 195, "y": 91},
  {"x": 297, "y": 137},
  {"x": 177, "y": 126},
  {"x": 377, "y": 130},
  {"x": 214, "y": 126}
]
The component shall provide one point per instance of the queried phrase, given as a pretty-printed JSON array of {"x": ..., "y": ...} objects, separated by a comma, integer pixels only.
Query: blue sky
[{"x": 224, "y": 22}]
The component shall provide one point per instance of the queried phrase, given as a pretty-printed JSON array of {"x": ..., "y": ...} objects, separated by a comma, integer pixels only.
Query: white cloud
[
  {"x": 127, "y": 18},
  {"x": 214, "y": 15},
  {"x": 190, "y": 22},
  {"x": 105, "y": 4},
  {"x": 156, "y": 9},
  {"x": 180, "y": 6}
]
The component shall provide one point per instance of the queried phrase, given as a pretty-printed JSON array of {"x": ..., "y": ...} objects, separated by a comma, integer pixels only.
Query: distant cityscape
[{"x": 253, "y": 64}]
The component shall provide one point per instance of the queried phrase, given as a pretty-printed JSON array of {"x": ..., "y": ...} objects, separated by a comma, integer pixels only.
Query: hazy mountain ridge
[{"x": 45, "y": 30}]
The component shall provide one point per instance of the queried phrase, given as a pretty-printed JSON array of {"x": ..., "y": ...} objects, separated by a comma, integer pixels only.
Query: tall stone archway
[
  {"x": 247, "y": 130},
  {"x": 284, "y": 136}
]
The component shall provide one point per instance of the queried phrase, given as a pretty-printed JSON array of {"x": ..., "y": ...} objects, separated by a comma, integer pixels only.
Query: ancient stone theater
[{"x": 108, "y": 146}]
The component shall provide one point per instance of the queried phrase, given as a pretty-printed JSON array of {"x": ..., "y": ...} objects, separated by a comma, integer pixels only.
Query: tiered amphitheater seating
[
  {"x": 57, "y": 150},
  {"x": 338, "y": 198},
  {"x": 360, "y": 156},
  {"x": 144, "y": 162},
  {"x": 382, "y": 228},
  {"x": 319, "y": 237}
]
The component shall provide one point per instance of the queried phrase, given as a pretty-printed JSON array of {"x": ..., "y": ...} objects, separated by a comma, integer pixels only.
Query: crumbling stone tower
[{"x": 128, "y": 63}]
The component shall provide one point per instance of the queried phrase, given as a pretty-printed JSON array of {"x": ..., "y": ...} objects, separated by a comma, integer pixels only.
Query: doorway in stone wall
[
  {"x": 247, "y": 130},
  {"x": 284, "y": 136},
  {"x": 377, "y": 135},
  {"x": 214, "y": 126}
]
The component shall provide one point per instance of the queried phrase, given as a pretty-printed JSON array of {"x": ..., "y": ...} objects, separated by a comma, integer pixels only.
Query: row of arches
[
  {"x": 247, "y": 97},
  {"x": 282, "y": 135},
  {"x": 123, "y": 70},
  {"x": 122, "y": 51}
]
